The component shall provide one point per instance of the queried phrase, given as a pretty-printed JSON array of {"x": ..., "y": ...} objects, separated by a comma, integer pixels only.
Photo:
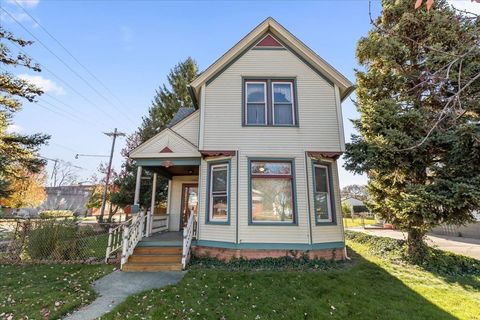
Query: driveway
[{"x": 465, "y": 246}]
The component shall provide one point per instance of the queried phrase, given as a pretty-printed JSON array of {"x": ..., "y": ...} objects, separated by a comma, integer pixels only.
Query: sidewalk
[{"x": 465, "y": 246}]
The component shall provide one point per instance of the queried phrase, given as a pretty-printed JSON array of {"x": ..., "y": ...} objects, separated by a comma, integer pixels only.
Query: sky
[{"x": 119, "y": 53}]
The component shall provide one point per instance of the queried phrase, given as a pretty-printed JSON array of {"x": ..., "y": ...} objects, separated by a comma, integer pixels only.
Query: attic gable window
[{"x": 269, "y": 102}]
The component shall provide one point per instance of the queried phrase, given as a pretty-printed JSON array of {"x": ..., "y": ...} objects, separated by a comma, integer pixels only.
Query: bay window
[
  {"x": 322, "y": 194},
  {"x": 218, "y": 192},
  {"x": 269, "y": 103},
  {"x": 271, "y": 192}
]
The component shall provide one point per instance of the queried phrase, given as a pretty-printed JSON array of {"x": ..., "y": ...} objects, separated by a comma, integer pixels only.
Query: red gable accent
[
  {"x": 166, "y": 150},
  {"x": 269, "y": 41},
  {"x": 324, "y": 154}
]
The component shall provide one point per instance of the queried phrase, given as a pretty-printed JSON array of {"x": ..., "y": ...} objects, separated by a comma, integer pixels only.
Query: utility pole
[{"x": 113, "y": 134}]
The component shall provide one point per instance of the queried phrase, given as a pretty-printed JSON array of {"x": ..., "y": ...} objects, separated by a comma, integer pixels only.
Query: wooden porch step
[
  {"x": 158, "y": 250},
  {"x": 151, "y": 267},
  {"x": 155, "y": 258}
]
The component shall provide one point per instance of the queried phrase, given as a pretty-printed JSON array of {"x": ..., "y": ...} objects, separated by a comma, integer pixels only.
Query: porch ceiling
[{"x": 187, "y": 170}]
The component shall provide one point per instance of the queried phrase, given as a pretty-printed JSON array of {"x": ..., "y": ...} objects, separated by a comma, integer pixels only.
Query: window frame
[
  {"x": 332, "y": 220},
  {"x": 278, "y": 176},
  {"x": 209, "y": 219},
  {"x": 294, "y": 120},
  {"x": 265, "y": 101},
  {"x": 268, "y": 81}
]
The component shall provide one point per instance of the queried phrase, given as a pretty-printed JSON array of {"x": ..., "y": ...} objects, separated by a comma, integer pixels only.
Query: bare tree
[{"x": 64, "y": 173}]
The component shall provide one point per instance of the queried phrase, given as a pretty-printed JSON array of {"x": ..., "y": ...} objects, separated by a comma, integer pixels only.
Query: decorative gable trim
[
  {"x": 166, "y": 150},
  {"x": 324, "y": 154},
  {"x": 269, "y": 42}
]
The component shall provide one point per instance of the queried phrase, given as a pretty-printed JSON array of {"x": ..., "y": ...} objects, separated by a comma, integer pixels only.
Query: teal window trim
[
  {"x": 331, "y": 192},
  {"x": 208, "y": 193},
  {"x": 294, "y": 193},
  {"x": 268, "y": 81}
]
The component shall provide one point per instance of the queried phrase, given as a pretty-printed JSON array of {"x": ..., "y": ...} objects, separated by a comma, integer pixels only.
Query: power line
[
  {"x": 63, "y": 81},
  {"x": 71, "y": 55},
  {"x": 62, "y": 61},
  {"x": 72, "y": 115}
]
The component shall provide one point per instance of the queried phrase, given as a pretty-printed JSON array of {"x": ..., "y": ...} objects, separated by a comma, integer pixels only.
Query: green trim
[
  {"x": 308, "y": 199},
  {"x": 207, "y": 197},
  {"x": 332, "y": 193},
  {"x": 269, "y": 119},
  {"x": 236, "y": 197},
  {"x": 294, "y": 193},
  {"x": 269, "y": 246},
  {"x": 269, "y": 48},
  {"x": 175, "y": 161}
]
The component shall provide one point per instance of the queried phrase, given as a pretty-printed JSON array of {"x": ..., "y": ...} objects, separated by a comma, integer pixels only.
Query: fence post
[{"x": 109, "y": 244}]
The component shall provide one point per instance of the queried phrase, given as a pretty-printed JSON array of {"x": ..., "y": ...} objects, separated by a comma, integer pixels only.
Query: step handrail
[
  {"x": 187, "y": 240},
  {"x": 132, "y": 234},
  {"x": 115, "y": 237}
]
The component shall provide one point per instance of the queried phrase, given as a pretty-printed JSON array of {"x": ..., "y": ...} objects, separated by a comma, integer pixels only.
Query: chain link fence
[{"x": 59, "y": 240}]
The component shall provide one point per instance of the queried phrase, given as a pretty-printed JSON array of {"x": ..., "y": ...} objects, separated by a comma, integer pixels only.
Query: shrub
[
  {"x": 49, "y": 214},
  {"x": 55, "y": 241},
  {"x": 274, "y": 264}
]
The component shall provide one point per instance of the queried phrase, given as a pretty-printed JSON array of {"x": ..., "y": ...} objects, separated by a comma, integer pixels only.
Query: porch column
[
  {"x": 152, "y": 205},
  {"x": 137, "y": 185}
]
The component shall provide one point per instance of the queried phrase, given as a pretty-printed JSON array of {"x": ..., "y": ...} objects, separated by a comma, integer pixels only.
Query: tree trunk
[{"x": 417, "y": 248}]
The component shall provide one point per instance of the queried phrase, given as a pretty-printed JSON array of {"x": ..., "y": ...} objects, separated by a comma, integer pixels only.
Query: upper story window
[{"x": 269, "y": 102}]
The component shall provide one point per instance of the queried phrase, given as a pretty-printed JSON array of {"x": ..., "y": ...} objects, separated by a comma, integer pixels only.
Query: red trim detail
[
  {"x": 324, "y": 154},
  {"x": 269, "y": 41},
  {"x": 166, "y": 150},
  {"x": 215, "y": 153}
]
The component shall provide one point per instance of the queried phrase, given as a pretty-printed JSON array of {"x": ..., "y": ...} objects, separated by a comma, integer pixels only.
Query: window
[
  {"x": 271, "y": 192},
  {"x": 270, "y": 103},
  {"x": 322, "y": 194},
  {"x": 218, "y": 191},
  {"x": 256, "y": 99},
  {"x": 282, "y": 101}
]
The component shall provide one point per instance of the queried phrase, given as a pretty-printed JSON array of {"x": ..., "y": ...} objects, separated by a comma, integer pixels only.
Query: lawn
[
  {"x": 357, "y": 222},
  {"x": 30, "y": 291},
  {"x": 368, "y": 287}
]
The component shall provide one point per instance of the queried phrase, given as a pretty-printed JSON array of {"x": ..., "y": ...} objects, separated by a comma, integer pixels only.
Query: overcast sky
[{"x": 121, "y": 51}]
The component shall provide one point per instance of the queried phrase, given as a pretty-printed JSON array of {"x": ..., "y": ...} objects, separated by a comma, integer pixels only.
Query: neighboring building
[
  {"x": 255, "y": 160},
  {"x": 357, "y": 206},
  {"x": 73, "y": 198}
]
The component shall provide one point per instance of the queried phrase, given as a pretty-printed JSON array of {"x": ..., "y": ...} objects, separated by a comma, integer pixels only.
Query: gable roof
[
  {"x": 293, "y": 43},
  {"x": 165, "y": 144},
  {"x": 181, "y": 114}
]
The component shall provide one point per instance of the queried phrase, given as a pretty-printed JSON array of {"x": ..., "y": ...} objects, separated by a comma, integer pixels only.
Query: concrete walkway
[
  {"x": 114, "y": 288},
  {"x": 466, "y": 246}
]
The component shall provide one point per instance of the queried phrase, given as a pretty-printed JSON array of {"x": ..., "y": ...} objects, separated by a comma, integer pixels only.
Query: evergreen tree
[
  {"x": 166, "y": 102},
  {"x": 16, "y": 150},
  {"x": 418, "y": 97},
  {"x": 165, "y": 105}
]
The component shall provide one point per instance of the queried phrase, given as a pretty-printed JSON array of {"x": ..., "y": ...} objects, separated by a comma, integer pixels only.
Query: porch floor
[{"x": 163, "y": 239}]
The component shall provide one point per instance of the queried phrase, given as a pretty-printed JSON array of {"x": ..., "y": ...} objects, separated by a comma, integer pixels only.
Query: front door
[{"x": 189, "y": 202}]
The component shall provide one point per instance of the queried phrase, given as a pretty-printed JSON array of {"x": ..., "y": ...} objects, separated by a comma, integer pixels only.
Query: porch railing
[
  {"x": 187, "y": 240},
  {"x": 159, "y": 223},
  {"x": 132, "y": 234},
  {"x": 114, "y": 240}
]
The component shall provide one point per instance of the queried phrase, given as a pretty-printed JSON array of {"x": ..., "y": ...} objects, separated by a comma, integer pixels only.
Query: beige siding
[
  {"x": 318, "y": 130},
  {"x": 211, "y": 232},
  {"x": 180, "y": 147},
  {"x": 326, "y": 233},
  {"x": 175, "y": 206},
  {"x": 189, "y": 127}
]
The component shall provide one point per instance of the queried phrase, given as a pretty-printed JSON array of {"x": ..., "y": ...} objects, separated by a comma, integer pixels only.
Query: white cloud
[
  {"x": 46, "y": 85},
  {"x": 14, "y": 128},
  {"x": 468, "y": 5},
  {"x": 25, "y": 3}
]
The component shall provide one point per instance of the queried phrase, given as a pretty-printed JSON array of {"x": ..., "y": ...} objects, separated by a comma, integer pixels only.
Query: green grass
[
  {"x": 357, "y": 222},
  {"x": 28, "y": 289},
  {"x": 368, "y": 287}
]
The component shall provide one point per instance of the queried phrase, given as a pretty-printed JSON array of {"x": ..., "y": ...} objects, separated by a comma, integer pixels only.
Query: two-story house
[{"x": 252, "y": 165}]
